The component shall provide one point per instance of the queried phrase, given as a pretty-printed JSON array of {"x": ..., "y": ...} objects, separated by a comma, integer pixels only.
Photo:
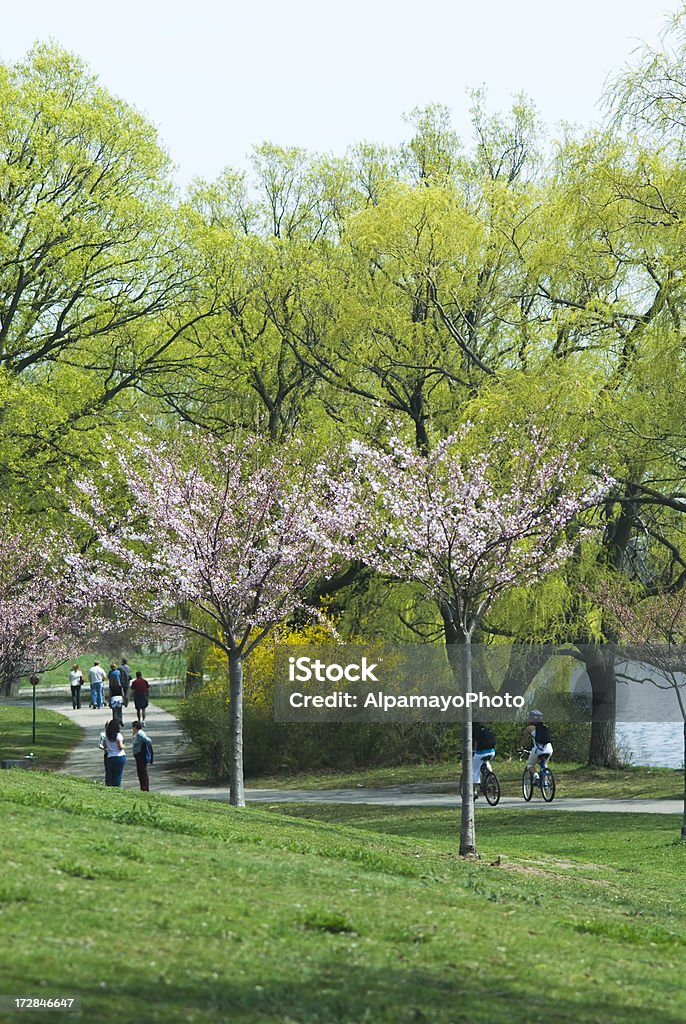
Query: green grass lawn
[
  {"x": 55, "y": 735},
  {"x": 170, "y": 704},
  {"x": 154, "y": 909},
  {"x": 153, "y": 666},
  {"x": 573, "y": 780}
]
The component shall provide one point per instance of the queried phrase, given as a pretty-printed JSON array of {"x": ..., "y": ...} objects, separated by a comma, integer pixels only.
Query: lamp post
[{"x": 34, "y": 680}]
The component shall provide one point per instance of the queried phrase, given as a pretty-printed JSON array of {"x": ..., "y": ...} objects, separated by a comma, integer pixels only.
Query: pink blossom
[
  {"x": 40, "y": 612},
  {"x": 239, "y": 532},
  {"x": 466, "y": 528}
]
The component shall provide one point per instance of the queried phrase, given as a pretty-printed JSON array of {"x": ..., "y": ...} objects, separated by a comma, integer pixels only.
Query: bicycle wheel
[
  {"x": 491, "y": 788},
  {"x": 527, "y": 785},
  {"x": 547, "y": 784}
]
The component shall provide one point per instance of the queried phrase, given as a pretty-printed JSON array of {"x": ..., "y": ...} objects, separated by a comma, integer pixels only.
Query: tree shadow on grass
[{"x": 341, "y": 993}]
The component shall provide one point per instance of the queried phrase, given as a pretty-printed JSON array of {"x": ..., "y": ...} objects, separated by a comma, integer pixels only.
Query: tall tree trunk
[
  {"x": 459, "y": 651},
  {"x": 683, "y": 820},
  {"x": 467, "y": 824},
  {"x": 418, "y": 414},
  {"x": 599, "y": 661},
  {"x": 600, "y": 667},
  {"x": 236, "y": 790}
]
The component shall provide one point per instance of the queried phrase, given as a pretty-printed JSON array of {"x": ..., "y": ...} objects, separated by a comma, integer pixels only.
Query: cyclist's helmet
[{"x": 536, "y": 716}]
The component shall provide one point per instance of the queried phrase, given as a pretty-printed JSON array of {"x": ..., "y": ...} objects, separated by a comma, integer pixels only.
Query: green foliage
[
  {"x": 289, "y": 749},
  {"x": 93, "y": 280}
]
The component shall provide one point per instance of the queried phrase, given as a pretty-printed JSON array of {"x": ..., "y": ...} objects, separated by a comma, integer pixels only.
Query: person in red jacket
[{"x": 141, "y": 689}]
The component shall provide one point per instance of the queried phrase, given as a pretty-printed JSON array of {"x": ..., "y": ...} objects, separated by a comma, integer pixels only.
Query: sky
[{"x": 219, "y": 76}]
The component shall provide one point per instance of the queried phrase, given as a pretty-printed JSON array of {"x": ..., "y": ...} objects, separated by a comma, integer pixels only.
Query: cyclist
[
  {"x": 538, "y": 732},
  {"x": 483, "y": 745}
]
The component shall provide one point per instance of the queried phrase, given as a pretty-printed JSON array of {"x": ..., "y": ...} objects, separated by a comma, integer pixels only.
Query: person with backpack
[
  {"x": 114, "y": 676},
  {"x": 142, "y": 751},
  {"x": 125, "y": 673},
  {"x": 116, "y": 698},
  {"x": 539, "y": 734},
  {"x": 483, "y": 746}
]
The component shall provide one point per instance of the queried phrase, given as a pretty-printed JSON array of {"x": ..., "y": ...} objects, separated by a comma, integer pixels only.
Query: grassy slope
[
  {"x": 156, "y": 909},
  {"x": 55, "y": 735}
]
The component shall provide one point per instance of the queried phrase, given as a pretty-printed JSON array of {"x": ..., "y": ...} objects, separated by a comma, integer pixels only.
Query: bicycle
[
  {"x": 546, "y": 780},
  {"x": 488, "y": 781}
]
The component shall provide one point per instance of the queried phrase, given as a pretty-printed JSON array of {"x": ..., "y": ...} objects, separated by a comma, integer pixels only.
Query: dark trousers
[
  {"x": 142, "y": 769},
  {"x": 76, "y": 696},
  {"x": 114, "y": 769}
]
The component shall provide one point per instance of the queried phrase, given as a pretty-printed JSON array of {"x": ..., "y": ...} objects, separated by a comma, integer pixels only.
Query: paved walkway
[{"x": 86, "y": 761}]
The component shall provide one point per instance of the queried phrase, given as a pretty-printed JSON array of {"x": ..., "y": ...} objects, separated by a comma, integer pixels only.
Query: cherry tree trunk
[
  {"x": 9, "y": 678},
  {"x": 467, "y": 824},
  {"x": 459, "y": 650},
  {"x": 236, "y": 789}
]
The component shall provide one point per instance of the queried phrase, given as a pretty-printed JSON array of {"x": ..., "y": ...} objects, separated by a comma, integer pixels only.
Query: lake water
[
  {"x": 656, "y": 744},
  {"x": 650, "y": 726}
]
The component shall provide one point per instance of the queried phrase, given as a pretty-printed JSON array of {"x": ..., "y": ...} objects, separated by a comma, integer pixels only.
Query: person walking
[
  {"x": 141, "y": 690},
  {"x": 116, "y": 754},
  {"x": 117, "y": 707},
  {"x": 76, "y": 682},
  {"x": 125, "y": 673},
  {"x": 116, "y": 700},
  {"x": 114, "y": 675},
  {"x": 96, "y": 679},
  {"x": 140, "y": 739}
]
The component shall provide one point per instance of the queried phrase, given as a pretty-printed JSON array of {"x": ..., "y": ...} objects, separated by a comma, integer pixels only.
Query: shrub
[{"x": 278, "y": 747}]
